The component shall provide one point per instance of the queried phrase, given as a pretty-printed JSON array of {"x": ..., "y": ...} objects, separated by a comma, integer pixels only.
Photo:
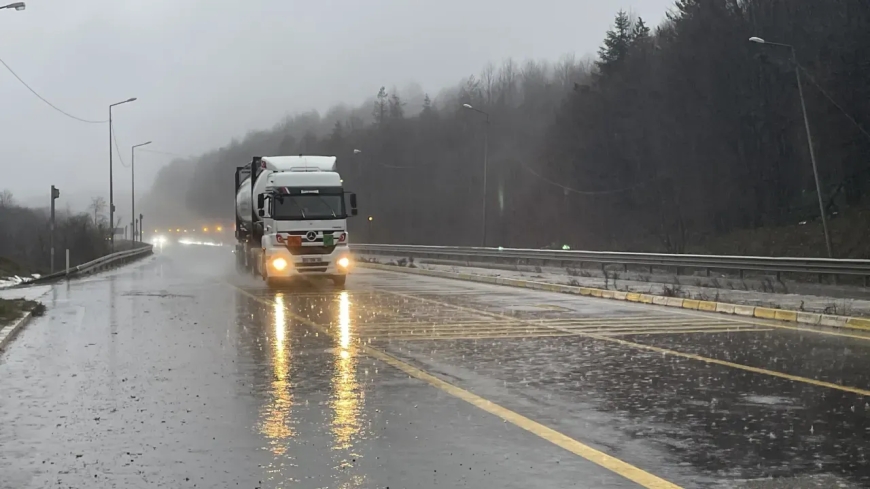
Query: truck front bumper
[{"x": 280, "y": 263}]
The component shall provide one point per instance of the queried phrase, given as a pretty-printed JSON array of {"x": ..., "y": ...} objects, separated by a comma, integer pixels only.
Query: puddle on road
[{"x": 770, "y": 401}]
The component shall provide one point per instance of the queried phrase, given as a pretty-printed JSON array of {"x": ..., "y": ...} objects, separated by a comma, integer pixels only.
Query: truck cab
[{"x": 305, "y": 226}]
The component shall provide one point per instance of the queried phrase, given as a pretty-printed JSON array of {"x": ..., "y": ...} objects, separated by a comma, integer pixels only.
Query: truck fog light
[{"x": 279, "y": 264}]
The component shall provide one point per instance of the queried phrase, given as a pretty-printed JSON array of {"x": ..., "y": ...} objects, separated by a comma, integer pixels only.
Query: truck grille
[{"x": 310, "y": 250}]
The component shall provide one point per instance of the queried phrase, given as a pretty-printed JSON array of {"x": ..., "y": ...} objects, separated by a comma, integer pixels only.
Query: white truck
[{"x": 291, "y": 218}]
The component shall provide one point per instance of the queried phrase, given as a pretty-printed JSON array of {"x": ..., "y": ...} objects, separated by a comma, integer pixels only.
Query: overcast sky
[{"x": 206, "y": 71}]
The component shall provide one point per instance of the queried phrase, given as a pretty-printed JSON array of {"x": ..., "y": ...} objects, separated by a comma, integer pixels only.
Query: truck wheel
[{"x": 339, "y": 280}]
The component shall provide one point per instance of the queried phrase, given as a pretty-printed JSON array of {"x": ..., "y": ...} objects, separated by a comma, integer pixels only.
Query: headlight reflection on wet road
[
  {"x": 346, "y": 398},
  {"x": 277, "y": 423}
]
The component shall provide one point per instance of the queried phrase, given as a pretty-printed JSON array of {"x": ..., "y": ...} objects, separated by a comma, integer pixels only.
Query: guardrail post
[
  {"x": 67, "y": 262},
  {"x": 706, "y": 272}
]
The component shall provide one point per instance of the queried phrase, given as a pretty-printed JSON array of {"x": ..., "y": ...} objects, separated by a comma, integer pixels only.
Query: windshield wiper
[{"x": 327, "y": 206}]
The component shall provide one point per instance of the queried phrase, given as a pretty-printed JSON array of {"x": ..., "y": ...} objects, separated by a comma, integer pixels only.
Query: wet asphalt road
[{"x": 175, "y": 372}]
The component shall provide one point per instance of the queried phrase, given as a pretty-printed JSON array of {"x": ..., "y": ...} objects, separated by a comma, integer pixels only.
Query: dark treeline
[{"x": 670, "y": 136}]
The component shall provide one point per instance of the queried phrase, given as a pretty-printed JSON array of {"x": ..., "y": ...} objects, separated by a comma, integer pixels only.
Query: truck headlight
[
  {"x": 344, "y": 262},
  {"x": 279, "y": 264}
]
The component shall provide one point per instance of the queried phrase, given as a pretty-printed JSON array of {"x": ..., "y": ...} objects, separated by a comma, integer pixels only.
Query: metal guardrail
[
  {"x": 563, "y": 258},
  {"x": 92, "y": 266}
]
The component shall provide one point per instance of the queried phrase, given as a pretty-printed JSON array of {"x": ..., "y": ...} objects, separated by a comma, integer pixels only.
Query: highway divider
[
  {"x": 807, "y": 318},
  {"x": 561, "y": 258}
]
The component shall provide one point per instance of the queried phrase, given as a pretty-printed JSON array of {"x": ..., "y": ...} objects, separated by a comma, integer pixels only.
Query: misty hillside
[{"x": 674, "y": 134}]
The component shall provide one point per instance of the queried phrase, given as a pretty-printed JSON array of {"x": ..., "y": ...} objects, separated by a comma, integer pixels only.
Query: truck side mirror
[
  {"x": 261, "y": 212},
  {"x": 353, "y": 209},
  {"x": 261, "y": 201}
]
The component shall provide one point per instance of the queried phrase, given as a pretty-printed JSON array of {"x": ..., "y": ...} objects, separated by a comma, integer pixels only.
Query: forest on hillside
[{"x": 670, "y": 135}]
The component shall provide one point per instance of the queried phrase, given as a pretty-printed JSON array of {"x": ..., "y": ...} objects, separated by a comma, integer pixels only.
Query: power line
[
  {"x": 583, "y": 192},
  {"x": 118, "y": 149},
  {"x": 831, "y": 99},
  {"x": 40, "y": 97}
]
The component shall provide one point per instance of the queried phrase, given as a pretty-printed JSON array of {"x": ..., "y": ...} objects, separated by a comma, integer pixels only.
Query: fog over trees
[{"x": 670, "y": 135}]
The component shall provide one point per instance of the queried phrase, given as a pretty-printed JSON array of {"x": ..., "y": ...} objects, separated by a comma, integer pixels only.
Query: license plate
[{"x": 310, "y": 260}]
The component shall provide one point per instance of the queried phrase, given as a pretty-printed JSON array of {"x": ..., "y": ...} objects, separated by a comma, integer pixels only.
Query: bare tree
[
  {"x": 487, "y": 80},
  {"x": 97, "y": 206},
  {"x": 6, "y": 198}
]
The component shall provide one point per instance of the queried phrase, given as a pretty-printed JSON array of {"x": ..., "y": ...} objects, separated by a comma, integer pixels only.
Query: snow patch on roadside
[{"x": 16, "y": 280}]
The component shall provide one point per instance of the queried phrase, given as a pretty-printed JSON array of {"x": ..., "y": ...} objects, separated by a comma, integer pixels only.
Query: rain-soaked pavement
[{"x": 175, "y": 372}]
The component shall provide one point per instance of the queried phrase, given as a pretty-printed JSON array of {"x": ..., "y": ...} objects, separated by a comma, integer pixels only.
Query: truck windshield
[{"x": 310, "y": 206}]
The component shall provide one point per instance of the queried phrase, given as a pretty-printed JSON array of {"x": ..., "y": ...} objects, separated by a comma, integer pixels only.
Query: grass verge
[{"x": 11, "y": 310}]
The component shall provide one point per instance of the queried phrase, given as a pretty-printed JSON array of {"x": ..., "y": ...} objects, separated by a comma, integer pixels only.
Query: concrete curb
[
  {"x": 7, "y": 334},
  {"x": 808, "y": 318}
]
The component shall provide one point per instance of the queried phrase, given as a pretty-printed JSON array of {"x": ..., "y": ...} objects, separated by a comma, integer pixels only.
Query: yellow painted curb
[
  {"x": 859, "y": 323},
  {"x": 633, "y": 297},
  {"x": 765, "y": 313},
  {"x": 707, "y": 306},
  {"x": 784, "y": 315},
  {"x": 690, "y": 304}
]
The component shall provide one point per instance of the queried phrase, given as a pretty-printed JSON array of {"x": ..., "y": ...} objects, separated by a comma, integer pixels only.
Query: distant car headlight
[
  {"x": 279, "y": 264},
  {"x": 344, "y": 262}
]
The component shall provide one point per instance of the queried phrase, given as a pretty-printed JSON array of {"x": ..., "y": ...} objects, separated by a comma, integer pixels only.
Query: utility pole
[
  {"x": 55, "y": 193},
  {"x": 133, "y": 185},
  {"x": 485, "y": 163},
  {"x": 111, "y": 184},
  {"x": 797, "y": 72}
]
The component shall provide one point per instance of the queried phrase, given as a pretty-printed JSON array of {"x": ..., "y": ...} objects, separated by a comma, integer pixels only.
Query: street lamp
[
  {"x": 133, "y": 184},
  {"x": 17, "y": 6},
  {"x": 797, "y": 73},
  {"x": 111, "y": 184},
  {"x": 485, "y": 151}
]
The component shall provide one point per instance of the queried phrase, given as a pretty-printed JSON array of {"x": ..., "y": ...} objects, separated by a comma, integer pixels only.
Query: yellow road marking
[
  {"x": 376, "y": 334},
  {"x": 689, "y": 312},
  {"x": 552, "y": 307},
  {"x": 692, "y": 356},
  {"x": 630, "y": 472},
  {"x": 669, "y": 331},
  {"x": 463, "y": 322},
  {"x": 772, "y": 373},
  {"x": 768, "y": 324},
  {"x": 615, "y": 465},
  {"x": 555, "y": 334}
]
